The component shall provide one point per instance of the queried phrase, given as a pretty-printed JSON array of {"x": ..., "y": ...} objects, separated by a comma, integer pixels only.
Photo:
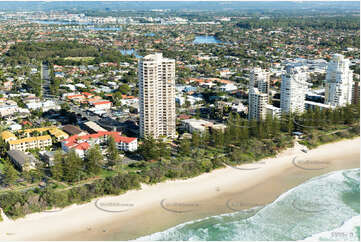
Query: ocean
[{"x": 324, "y": 208}]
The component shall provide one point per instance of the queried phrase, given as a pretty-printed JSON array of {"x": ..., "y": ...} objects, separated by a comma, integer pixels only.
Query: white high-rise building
[
  {"x": 338, "y": 91},
  {"x": 262, "y": 79},
  {"x": 257, "y": 99},
  {"x": 156, "y": 77},
  {"x": 294, "y": 87}
]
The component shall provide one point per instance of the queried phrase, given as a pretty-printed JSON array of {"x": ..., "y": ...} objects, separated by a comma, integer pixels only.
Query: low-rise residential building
[
  {"x": 8, "y": 136},
  {"x": 8, "y": 108},
  {"x": 92, "y": 127},
  {"x": 54, "y": 131},
  {"x": 38, "y": 142},
  {"x": 196, "y": 125},
  {"x": 228, "y": 87},
  {"x": 273, "y": 111},
  {"x": 21, "y": 160},
  {"x": 73, "y": 130},
  {"x": 80, "y": 144},
  {"x": 102, "y": 104},
  {"x": 48, "y": 156}
]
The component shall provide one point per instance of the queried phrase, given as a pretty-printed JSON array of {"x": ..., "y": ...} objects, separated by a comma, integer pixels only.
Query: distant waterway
[
  {"x": 60, "y": 22},
  {"x": 130, "y": 52},
  {"x": 85, "y": 25},
  {"x": 204, "y": 39},
  {"x": 149, "y": 34}
]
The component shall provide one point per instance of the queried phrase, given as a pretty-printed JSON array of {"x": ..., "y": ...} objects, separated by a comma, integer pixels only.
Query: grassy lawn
[
  {"x": 106, "y": 173},
  {"x": 80, "y": 58}
]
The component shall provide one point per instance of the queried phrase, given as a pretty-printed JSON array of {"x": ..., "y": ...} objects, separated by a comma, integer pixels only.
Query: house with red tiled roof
[
  {"x": 102, "y": 104},
  {"x": 87, "y": 94},
  {"x": 80, "y": 144},
  {"x": 76, "y": 97}
]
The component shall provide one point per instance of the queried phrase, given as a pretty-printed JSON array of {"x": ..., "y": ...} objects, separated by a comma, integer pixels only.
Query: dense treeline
[
  {"x": 244, "y": 141},
  {"x": 57, "y": 51},
  {"x": 345, "y": 23},
  {"x": 18, "y": 204}
]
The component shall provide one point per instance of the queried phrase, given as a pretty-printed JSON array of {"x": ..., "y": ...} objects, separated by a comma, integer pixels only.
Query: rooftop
[{"x": 29, "y": 139}]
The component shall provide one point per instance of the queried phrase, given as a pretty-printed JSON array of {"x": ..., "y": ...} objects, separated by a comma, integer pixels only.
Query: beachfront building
[
  {"x": 273, "y": 111},
  {"x": 261, "y": 80},
  {"x": 157, "y": 96},
  {"x": 338, "y": 90},
  {"x": 81, "y": 143},
  {"x": 258, "y": 96},
  {"x": 294, "y": 87},
  {"x": 196, "y": 125}
]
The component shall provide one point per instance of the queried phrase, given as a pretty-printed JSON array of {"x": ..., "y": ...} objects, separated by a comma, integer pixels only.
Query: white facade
[
  {"x": 257, "y": 99},
  {"x": 339, "y": 81},
  {"x": 312, "y": 105},
  {"x": 273, "y": 111},
  {"x": 128, "y": 146},
  {"x": 196, "y": 125},
  {"x": 228, "y": 87},
  {"x": 257, "y": 103},
  {"x": 102, "y": 105},
  {"x": 34, "y": 105},
  {"x": 294, "y": 87},
  {"x": 157, "y": 96}
]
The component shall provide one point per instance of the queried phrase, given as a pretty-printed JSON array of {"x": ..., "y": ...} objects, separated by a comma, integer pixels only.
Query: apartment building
[
  {"x": 261, "y": 80},
  {"x": 338, "y": 91},
  {"x": 54, "y": 131},
  {"x": 25, "y": 139},
  {"x": 156, "y": 77},
  {"x": 81, "y": 143},
  {"x": 102, "y": 104},
  {"x": 8, "y": 136},
  {"x": 258, "y": 96},
  {"x": 294, "y": 87},
  {"x": 39, "y": 142}
]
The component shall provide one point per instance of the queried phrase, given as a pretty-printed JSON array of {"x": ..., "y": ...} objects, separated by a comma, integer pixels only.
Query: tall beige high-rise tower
[{"x": 156, "y": 77}]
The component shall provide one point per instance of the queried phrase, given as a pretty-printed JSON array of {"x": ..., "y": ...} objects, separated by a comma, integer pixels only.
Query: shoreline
[{"x": 157, "y": 207}]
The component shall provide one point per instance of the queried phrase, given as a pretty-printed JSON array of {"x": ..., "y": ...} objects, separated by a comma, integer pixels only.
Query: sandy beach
[{"x": 158, "y": 207}]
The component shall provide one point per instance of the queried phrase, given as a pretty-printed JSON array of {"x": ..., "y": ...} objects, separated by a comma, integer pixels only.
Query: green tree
[
  {"x": 93, "y": 160},
  {"x": 73, "y": 165},
  {"x": 10, "y": 174},
  {"x": 196, "y": 139},
  {"x": 149, "y": 150},
  {"x": 124, "y": 89},
  {"x": 117, "y": 96},
  {"x": 185, "y": 147},
  {"x": 57, "y": 168},
  {"x": 113, "y": 153}
]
